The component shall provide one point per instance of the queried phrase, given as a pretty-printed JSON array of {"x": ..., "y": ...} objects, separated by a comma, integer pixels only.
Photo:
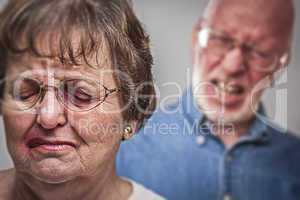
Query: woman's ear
[{"x": 129, "y": 130}]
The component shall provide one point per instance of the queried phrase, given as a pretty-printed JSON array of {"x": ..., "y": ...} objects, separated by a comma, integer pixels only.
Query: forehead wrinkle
[
  {"x": 28, "y": 62},
  {"x": 241, "y": 17},
  {"x": 74, "y": 44},
  {"x": 276, "y": 13}
]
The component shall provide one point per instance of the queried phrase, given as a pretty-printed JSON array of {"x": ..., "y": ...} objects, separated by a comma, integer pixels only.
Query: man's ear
[
  {"x": 286, "y": 59},
  {"x": 282, "y": 64},
  {"x": 196, "y": 28}
]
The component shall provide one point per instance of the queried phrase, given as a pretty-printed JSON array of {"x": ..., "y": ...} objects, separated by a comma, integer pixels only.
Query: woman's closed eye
[
  {"x": 82, "y": 95},
  {"x": 25, "y": 89},
  {"x": 26, "y": 94}
]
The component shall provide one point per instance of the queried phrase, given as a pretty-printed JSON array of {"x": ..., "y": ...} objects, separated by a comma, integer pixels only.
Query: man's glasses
[
  {"x": 219, "y": 44},
  {"x": 75, "y": 94}
]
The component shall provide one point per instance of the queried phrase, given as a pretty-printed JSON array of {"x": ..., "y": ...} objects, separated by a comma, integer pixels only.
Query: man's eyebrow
[{"x": 219, "y": 31}]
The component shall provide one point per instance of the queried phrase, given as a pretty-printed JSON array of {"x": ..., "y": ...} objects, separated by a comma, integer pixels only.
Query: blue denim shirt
[{"x": 175, "y": 158}]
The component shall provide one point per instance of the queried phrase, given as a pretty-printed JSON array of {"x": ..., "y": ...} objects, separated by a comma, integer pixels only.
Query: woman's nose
[{"x": 50, "y": 112}]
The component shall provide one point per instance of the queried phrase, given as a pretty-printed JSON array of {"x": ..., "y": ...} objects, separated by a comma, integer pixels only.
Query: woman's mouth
[{"x": 49, "y": 146}]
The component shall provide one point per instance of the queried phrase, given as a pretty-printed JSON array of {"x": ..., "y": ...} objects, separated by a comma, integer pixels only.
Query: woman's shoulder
[
  {"x": 140, "y": 192},
  {"x": 6, "y": 182},
  {"x": 6, "y": 176}
]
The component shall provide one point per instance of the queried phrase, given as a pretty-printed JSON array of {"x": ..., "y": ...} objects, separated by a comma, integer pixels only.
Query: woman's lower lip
[{"x": 53, "y": 147}]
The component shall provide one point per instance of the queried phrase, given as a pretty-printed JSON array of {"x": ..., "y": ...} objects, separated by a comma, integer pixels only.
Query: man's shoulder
[
  {"x": 164, "y": 135},
  {"x": 167, "y": 112},
  {"x": 285, "y": 139},
  {"x": 167, "y": 120},
  {"x": 283, "y": 134},
  {"x": 283, "y": 150}
]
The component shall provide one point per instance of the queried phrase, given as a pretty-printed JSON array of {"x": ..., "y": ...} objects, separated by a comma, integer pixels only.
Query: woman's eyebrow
[{"x": 68, "y": 74}]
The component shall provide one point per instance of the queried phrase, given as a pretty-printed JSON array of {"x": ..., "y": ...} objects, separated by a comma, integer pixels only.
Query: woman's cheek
[
  {"x": 95, "y": 128},
  {"x": 16, "y": 126},
  {"x": 99, "y": 141}
]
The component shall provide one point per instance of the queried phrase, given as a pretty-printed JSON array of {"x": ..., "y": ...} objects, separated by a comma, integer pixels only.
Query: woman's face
[{"x": 49, "y": 141}]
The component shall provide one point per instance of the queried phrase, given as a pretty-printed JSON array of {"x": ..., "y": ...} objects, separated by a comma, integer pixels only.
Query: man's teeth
[
  {"x": 222, "y": 86},
  {"x": 232, "y": 89}
]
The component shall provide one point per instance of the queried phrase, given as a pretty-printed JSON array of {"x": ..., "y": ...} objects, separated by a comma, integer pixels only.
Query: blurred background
[{"x": 169, "y": 23}]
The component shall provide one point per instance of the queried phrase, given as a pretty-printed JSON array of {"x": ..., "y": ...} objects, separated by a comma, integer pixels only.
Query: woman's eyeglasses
[
  {"x": 75, "y": 94},
  {"x": 219, "y": 44}
]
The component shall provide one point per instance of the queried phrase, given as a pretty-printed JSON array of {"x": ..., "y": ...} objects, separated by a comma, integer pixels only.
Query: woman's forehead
[
  {"x": 46, "y": 67},
  {"x": 74, "y": 48}
]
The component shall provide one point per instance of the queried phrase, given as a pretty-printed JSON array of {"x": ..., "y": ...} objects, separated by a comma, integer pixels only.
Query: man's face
[{"x": 225, "y": 86}]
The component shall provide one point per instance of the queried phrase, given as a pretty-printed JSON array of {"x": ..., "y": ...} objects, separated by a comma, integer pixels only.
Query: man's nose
[
  {"x": 234, "y": 62},
  {"x": 50, "y": 112}
]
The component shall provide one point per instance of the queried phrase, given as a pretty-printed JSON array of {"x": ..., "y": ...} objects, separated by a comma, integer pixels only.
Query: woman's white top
[{"x": 141, "y": 193}]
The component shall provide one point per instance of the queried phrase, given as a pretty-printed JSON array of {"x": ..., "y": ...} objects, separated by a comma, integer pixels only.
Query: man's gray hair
[
  {"x": 130, "y": 2},
  {"x": 211, "y": 5}
]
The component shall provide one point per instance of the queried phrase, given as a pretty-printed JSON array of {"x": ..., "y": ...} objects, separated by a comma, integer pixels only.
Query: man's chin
[{"x": 227, "y": 114}]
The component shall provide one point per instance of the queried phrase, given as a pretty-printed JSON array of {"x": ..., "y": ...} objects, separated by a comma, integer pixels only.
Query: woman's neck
[{"x": 104, "y": 185}]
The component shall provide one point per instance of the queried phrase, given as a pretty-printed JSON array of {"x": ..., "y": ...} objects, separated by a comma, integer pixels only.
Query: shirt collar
[
  {"x": 191, "y": 112},
  {"x": 189, "y": 107},
  {"x": 258, "y": 129}
]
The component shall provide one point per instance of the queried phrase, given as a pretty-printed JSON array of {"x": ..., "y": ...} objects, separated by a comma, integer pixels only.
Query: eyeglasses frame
[{"x": 45, "y": 87}]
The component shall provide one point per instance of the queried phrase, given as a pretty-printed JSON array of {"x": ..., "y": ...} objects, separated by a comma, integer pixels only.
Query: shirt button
[
  {"x": 227, "y": 197},
  {"x": 229, "y": 158},
  {"x": 200, "y": 140}
]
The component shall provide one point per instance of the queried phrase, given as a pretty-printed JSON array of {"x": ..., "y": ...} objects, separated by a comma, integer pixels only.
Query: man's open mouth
[{"x": 229, "y": 88}]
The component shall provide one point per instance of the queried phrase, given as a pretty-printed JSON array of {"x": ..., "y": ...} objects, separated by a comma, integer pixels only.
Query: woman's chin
[
  {"x": 52, "y": 179},
  {"x": 54, "y": 171}
]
